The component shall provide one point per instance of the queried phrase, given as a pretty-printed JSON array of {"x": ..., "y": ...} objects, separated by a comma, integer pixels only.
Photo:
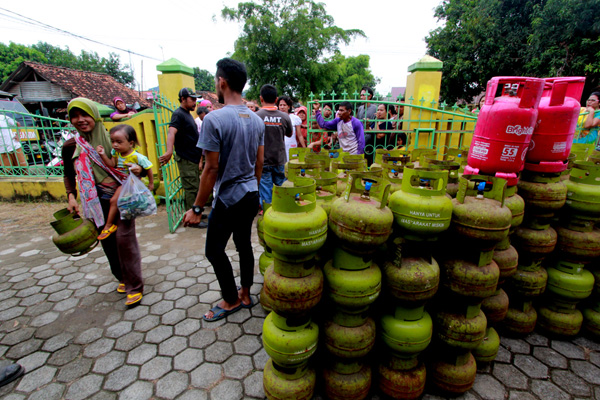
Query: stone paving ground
[{"x": 61, "y": 318}]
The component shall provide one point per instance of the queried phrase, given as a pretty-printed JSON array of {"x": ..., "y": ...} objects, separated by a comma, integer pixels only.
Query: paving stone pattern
[{"x": 62, "y": 319}]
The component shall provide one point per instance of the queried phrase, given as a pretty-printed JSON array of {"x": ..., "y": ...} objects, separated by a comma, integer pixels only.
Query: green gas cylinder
[
  {"x": 558, "y": 320},
  {"x": 393, "y": 170},
  {"x": 349, "y": 342},
  {"x": 529, "y": 280},
  {"x": 355, "y": 286},
  {"x": 488, "y": 348},
  {"x": 579, "y": 246},
  {"x": 411, "y": 278},
  {"x": 294, "y": 227},
  {"x": 583, "y": 191},
  {"x": 347, "y": 381},
  {"x": 460, "y": 326},
  {"x": 521, "y": 317},
  {"x": 408, "y": 332},
  {"x": 544, "y": 193},
  {"x": 479, "y": 213},
  {"x": 507, "y": 258},
  {"x": 361, "y": 219},
  {"x": 495, "y": 307},
  {"x": 282, "y": 384},
  {"x": 453, "y": 374},
  {"x": 570, "y": 281},
  {"x": 402, "y": 383},
  {"x": 421, "y": 208},
  {"x": 516, "y": 205},
  {"x": 289, "y": 341},
  {"x": 293, "y": 295},
  {"x": 74, "y": 235},
  {"x": 343, "y": 171}
]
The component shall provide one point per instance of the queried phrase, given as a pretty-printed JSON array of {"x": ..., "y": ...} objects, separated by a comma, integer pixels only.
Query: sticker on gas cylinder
[
  {"x": 480, "y": 151},
  {"x": 559, "y": 147},
  {"x": 427, "y": 224},
  {"x": 509, "y": 153},
  {"x": 424, "y": 214}
]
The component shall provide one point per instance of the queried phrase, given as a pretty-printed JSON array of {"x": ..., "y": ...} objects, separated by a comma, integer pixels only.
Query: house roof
[{"x": 100, "y": 87}]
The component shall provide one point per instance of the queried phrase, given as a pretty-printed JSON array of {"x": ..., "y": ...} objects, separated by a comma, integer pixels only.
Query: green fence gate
[{"x": 174, "y": 195}]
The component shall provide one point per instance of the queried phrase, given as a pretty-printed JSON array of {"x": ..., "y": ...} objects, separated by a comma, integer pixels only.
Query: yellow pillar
[
  {"x": 174, "y": 76},
  {"x": 423, "y": 86}
]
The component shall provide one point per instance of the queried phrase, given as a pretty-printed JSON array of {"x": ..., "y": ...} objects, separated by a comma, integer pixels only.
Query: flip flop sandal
[
  {"x": 220, "y": 313},
  {"x": 106, "y": 232},
  {"x": 121, "y": 288},
  {"x": 133, "y": 299},
  {"x": 10, "y": 373}
]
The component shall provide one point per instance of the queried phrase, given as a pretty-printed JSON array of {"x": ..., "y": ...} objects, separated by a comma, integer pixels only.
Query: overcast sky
[{"x": 195, "y": 33}]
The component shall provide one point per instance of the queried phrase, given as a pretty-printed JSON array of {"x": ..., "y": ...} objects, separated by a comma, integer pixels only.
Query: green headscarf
[{"x": 99, "y": 135}]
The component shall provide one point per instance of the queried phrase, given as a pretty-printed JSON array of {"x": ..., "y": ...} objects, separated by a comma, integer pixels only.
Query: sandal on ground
[
  {"x": 10, "y": 372},
  {"x": 220, "y": 313},
  {"x": 121, "y": 288},
  {"x": 133, "y": 299},
  {"x": 106, "y": 232}
]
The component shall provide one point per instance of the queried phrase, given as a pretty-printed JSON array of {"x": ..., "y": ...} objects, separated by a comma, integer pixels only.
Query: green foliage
[
  {"x": 284, "y": 42},
  {"x": 12, "y": 55},
  {"x": 204, "y": 80},
  {"x": 486, "y": 38}
]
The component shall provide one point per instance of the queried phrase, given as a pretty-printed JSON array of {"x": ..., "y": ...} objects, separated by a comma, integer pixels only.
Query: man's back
[
  {"x": 235, "y": 133},
  {"x": 277, "y": 125}
]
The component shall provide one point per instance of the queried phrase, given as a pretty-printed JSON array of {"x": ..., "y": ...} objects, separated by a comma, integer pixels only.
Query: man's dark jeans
[{"x": 222, "y": 223}]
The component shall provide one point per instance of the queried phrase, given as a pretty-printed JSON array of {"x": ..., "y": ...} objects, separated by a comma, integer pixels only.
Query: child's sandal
[
  {"x": 133, "y": 299},
  {"x": 106, "y": 232}
]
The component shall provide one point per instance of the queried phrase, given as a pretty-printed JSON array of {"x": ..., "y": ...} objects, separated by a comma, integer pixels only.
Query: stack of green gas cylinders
[
  {"x": 396, "y": 279},
  {"x": 360, "y": 222},
  {"x": 294, "y": 228}
]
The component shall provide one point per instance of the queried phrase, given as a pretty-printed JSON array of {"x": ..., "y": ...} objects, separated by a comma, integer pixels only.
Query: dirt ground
[{"x": 29, "y": 216}]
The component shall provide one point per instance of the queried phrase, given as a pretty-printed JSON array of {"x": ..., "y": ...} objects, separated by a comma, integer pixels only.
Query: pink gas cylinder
[
  {"x": 557, "y": 119},
  {"x": 504, "y": 126}
]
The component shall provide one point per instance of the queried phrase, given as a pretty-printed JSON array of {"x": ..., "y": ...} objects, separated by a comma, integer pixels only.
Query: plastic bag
[{"x": 135, "y": 199}]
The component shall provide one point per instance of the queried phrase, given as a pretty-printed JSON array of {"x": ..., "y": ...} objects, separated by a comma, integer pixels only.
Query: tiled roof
[{"x": 101, "y": 88}]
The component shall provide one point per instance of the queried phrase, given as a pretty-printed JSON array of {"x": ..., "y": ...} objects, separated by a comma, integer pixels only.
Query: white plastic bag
[{"x": 135, "y": 199}]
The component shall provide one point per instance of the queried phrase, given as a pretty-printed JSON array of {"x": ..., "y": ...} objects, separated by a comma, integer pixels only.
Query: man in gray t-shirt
[{"x": 233, "y": 141}]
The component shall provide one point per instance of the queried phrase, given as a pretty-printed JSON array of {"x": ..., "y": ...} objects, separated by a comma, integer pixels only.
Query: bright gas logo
[{"x": 519, "y": 130}]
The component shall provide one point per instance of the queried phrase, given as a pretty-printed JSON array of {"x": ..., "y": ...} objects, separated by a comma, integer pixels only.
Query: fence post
[{"x": 423, "y": 84}]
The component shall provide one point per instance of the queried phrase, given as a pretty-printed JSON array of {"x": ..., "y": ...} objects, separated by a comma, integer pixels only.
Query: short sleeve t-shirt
[
  {"x": 7, "y": 138},
  {"x": 187, "y": 135},
  {"x": 277, "y": 126},
  {"x": 133, "y": 158},
  {"x": 235, "y": 133}
]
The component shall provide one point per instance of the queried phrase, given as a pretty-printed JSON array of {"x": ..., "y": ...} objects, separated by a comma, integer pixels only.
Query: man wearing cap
[{"x": 183, "y": 136}]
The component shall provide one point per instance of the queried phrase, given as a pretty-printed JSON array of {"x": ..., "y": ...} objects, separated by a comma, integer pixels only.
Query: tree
[
  {"x": 284, "y": 43},
  {"x": 352, "y": 74},
  {"x": 11, "y": 56},
  {"x": 204, "y": 80},
  {"x": 485, "y": 38},
  {"x": 565, "y": 39}
]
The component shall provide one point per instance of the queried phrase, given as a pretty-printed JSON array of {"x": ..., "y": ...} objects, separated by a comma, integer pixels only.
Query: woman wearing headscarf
[
  {"x": 121, "y": 110},
  {"x": 303, "y": 115},
  {"x": 97, "y": 183}
]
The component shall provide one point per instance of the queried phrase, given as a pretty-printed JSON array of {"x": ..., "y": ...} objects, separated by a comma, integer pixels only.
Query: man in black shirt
[
  {"x": 277, "y": 125},
  {"x": 183, "y": 135}
]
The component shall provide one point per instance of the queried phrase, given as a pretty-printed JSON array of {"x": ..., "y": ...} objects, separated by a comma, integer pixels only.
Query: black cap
[{"x": 188, "y": 92}]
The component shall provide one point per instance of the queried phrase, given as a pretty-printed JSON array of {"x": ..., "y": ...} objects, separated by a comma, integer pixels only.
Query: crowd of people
[{"x": 234, "y": 156}]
